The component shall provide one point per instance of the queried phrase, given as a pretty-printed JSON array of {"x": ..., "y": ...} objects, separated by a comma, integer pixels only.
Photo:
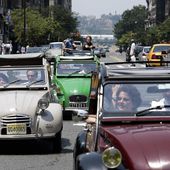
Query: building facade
[
  {"x": 158, "y": 11},
  {"x": 7, "y": 5}
]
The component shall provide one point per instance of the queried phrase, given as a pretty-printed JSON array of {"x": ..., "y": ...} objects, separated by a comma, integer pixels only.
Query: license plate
[{"x": 16, "y": 129}]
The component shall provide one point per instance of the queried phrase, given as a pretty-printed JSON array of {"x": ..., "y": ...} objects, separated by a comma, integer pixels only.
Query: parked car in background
[
  {"x": 74, "y": 76},
  {"x": 100, "y": 52},
  {"x": 34, "y": 50},
  {"x": 131, "y": 129},
  {"x": 155, "y": 55},
  {"x": 143, "y": 54},
  {"x": 56, "y": 45},
  {"x": 138, "y": 49},
  {"x": 29, "y": 104}
]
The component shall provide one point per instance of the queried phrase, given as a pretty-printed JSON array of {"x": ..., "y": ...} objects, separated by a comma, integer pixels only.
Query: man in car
[{"x": 32, "y": 75}]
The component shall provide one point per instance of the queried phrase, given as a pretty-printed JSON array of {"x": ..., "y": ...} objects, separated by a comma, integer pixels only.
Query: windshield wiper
[
  {"x": 33, "y": 82},
  {"x": 145, "y": 111},
  {"x": 74, "y": 72},
  {"x": 14, "y": 81}
]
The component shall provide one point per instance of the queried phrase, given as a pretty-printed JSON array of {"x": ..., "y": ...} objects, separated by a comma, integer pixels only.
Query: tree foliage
[
  {"x": 132, "y": 21},
  {"x": 53, "y": 25},
  {"x": 67, "y": 20},
  {"x": 132, "y": 25}
]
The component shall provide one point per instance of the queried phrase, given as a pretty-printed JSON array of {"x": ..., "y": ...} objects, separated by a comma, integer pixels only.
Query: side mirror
[{"x": 79, "y": 115}]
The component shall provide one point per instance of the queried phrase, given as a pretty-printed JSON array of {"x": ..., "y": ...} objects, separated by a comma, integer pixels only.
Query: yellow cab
[{"x": 157, "y": 54}]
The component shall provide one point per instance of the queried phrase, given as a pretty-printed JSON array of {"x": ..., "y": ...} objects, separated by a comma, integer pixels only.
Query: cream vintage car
[{"x": 29, "y": 107}]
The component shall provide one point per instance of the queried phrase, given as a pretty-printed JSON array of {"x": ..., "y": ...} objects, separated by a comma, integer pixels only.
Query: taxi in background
[{"x": 157, "y": 54}]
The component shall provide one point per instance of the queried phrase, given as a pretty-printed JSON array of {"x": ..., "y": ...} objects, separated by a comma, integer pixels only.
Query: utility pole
[{"x": 24, "y": 10}]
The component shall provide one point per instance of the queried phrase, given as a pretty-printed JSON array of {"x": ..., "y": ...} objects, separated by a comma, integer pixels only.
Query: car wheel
[{"x": 57, "y": 143}]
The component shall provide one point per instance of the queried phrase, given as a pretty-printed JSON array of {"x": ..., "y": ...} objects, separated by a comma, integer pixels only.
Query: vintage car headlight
[
  {"x": 43, "y": 104},
  {"x": 111, "y": 157}
]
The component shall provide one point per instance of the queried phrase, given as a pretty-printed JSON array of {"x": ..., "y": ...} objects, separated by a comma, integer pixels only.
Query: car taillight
[{"x": 154, "y": 56}]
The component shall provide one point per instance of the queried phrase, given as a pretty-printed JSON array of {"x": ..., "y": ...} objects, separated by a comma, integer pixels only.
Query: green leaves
[
  {"x": 132, "y": 25},
  {"x": 53, "y": 24}
]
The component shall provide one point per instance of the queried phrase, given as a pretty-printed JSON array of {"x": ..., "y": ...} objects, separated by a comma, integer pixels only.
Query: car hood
[
  {"x": 75, "y": 86},
  {"x": 19, "y": 102},
  {"x": 143, "y": 146}
]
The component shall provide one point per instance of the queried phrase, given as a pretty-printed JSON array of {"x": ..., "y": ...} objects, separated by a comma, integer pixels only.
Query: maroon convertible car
[{"x": 132, "y": 126}]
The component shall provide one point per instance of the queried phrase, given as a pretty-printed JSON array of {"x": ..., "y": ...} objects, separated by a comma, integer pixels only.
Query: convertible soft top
[{"x": 21, "y": 59}]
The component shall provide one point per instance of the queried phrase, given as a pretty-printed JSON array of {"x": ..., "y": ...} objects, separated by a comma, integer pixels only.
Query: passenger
[
  {"x": 164, "y": 101},
  {"x": 127, "y": 98},
  {"x": 88, "y": 45},
  {"x": 69, "y": 45},
  {"x": 3, "y": 79},
  {"x": 32, "y": 75}
]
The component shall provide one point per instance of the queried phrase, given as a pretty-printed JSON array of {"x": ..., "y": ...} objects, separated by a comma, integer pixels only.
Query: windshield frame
[
  {"x": 81, "y": 72},
  {"x": 130, "y": 115},
  {"x": 19, "y": 83}
]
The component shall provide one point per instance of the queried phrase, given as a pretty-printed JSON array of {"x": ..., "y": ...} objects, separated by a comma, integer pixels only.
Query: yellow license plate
[{"x": 16, "y": 129}]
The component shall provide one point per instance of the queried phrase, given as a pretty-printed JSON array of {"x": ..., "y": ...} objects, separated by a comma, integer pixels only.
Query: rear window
[{"x": 161, "y": 48}]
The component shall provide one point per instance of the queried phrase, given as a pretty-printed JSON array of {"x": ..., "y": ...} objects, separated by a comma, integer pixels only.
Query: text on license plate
[{"x": 16, "y": 129}]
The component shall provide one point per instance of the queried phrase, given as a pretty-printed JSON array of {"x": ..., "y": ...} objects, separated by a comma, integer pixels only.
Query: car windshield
[
  {"x": 57, "y": 45},
  {"x": 146, "y": 49},
  {"x": 74, "y": 68},
  {"x": 161, "y": 48},
  {"x": 34, "y": 50},
  {"x": 128, "y": 99},
  {"x": 21, "y": 77}
]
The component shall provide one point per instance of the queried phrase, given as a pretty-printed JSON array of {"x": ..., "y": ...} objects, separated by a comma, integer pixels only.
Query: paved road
[{"x": 37, "y": 156}]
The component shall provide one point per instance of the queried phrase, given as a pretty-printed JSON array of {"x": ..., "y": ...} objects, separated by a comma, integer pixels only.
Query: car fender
[
  {"x": 92, "y": 161},
  {"x": 50, "y": 120},
  {"x": 80, "y": 144}
]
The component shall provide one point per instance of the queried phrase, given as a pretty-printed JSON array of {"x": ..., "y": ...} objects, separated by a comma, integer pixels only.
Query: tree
[
  {"x": 164, "y": 30},
  {"x": 132, "y": 21},
  {"x": 66, "y": 19},
  {"x": 54, "y": 24},
  {"x": 37, "y": 27}
]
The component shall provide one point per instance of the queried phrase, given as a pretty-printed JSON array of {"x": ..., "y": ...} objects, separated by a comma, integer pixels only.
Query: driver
[{"x": 32, "y": 75}]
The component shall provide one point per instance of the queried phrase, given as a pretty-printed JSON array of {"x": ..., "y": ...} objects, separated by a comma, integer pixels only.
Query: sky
[{"x": 99, "y": 7}]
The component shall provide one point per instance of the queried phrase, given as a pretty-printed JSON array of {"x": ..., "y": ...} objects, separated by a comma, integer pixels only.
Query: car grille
[
  {"x": 78, "y": 98},
  {"x": 7, "y": 120}
]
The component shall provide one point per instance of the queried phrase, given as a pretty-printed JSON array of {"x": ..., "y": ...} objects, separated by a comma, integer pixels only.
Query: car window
[
  {"x": 56, "y": 45},
  {"x": 161, "y": 48},
  {"x": 146, "y": 49},
  {"x": 21, "y": 77},
  {"x": 70, "y": 68},
  {"x": 147, "y": 95}
]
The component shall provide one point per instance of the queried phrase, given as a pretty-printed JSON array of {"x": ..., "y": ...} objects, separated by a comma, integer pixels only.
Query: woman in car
[
  {"x": 127, "y": 98},
  {"x": 88, "y": 45}
]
